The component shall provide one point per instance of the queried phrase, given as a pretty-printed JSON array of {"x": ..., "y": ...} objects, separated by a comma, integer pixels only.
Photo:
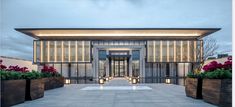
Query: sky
[{"x": 110, "y": 14}]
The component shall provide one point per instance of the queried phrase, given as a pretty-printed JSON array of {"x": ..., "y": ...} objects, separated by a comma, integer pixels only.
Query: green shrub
[
  {"x": 195, "y": 75},
  {"x": 47, "y": 75},
  {"x": 218, "y": 74},
  {"x": 32, "y": 75},
  {"x": 10, "y": 75}
]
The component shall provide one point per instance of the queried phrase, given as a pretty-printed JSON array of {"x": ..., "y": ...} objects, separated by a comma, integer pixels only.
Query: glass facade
[
  {"x": 62, "y": 51},
  {"x": 135, "y": 63},
  {"x": 159, "y": 72},
  {"x": 174, "y": 51},
  {"x": 151, "y": 61}
]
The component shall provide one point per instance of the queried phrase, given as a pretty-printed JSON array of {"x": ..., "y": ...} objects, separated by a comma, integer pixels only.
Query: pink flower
[
  {"x": 215, "y": 65},
  {"x": 227, "y": 64},
  {"x": 17, "y": 68},
  {"x": 212, "y": 66},
  {"x": 229, "y": 58},
  {"x": 1, "y": 61},
  {"x": 2, "y": 67},
  {"x": 49, "y": 69}
]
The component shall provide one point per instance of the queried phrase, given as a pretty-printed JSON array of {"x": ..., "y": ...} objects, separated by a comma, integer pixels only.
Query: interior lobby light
[
  {"x": 67, "y": 81},
  {"x": 107, "y": 78},
  {"x": 101, "y": 81},
  {"x": 168, "y": 81},
  {"x": 134, "y": 81}
]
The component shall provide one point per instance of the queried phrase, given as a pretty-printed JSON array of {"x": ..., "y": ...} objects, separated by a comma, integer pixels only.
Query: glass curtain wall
[
  {"x": 174, "y": 51},
  {"x": 159, "y": 72},
  {"x": 135, "y": 63},
  {"x": 62, "y": 51},
  {"x": 102, "y": 63}
]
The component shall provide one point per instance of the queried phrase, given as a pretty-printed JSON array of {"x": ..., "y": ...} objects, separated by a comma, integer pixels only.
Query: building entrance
[{"x": 119, "y": 64}]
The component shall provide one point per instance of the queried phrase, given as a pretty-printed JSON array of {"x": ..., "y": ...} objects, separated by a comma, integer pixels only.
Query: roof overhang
[{"x": 116, "y": 33}]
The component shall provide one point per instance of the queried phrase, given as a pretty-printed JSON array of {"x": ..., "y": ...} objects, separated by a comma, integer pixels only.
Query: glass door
[{"x": 119, "y": 67}]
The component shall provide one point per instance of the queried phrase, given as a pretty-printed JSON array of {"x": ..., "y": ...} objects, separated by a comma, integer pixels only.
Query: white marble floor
[
  {"x": 117, "y": 88},
  {"x": 74, "y": 95}
]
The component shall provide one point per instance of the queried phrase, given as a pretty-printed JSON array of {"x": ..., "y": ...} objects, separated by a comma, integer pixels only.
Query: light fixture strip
[
  {"x": 62, "y": 47},
  {"x": 201, "y": 50},
  {"x": 126, "y": 34},
  {"x": 34, "y": 51},
  {"x": 195, "y": 51},
  {"x": 160, "y": 51},
  {"x": 174, "y": 51},
  {"x": 83, "y": 51},
  {"x": 168, "y": 51},
  {"x": 48, "y": 51},
  {"x": 55, "y": 53},
  {"x": 154, "y": 49},
  {"x": 148, "y": 51},
  {"x": 41, "y": 50},
  {"x": 188, "y": 52},
  {"x": 89, "y": 50},
  {"x": 69, "y": 51},
  {"x": 181, "y": 52},
  {"x": 76, "y": 51}
]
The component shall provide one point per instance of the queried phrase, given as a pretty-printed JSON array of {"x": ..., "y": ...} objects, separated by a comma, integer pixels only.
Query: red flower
[
  {"x": 227, "y": 64},
  {"x": 2, "y": 67},
  {"x": 1, "y": 61},
  {"x": 215, "y": 65},
  {"x": 48, "y": 69},
  {"x": 212, "y": 66},
  {"x": 17, "y": 69},
  {"x": 229, "y": 58}
]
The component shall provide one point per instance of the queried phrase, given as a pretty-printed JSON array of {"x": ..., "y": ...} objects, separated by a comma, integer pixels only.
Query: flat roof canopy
[{"x": 116, "y": 33}]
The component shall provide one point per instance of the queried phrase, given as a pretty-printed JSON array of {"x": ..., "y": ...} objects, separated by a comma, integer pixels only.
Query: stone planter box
[
  {"x": 34, "y": 89},
  {"x": 217, "y": 92},
  {"x": 193, "y": 88},
  {"x": 12, "y": 92},
  {"x": 53, "y": 82}
]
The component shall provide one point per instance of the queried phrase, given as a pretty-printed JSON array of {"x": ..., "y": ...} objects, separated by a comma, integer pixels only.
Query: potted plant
[
  {"x": 193, "y": 86},
  {"x": 217, "y": 83},
  {"x": 51, "y": 78},
  {"x": 12, "y": 87},
  {"x": 34, "y": 85}
]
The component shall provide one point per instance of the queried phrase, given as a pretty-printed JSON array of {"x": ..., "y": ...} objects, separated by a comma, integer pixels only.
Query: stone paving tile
[{"x": 161, "y": 95}]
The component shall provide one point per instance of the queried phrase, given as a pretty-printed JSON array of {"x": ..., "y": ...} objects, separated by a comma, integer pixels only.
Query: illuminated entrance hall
[
  {"x": 152, "y": 55},
  {"x": 118, "y": 63}
]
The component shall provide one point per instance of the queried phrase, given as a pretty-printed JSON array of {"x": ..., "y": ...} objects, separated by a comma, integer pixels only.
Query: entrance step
[{"x": 118, "y": 82}]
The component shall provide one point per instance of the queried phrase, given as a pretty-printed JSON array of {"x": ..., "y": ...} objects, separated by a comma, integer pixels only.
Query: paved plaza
[{"x": 116, "y": 93}]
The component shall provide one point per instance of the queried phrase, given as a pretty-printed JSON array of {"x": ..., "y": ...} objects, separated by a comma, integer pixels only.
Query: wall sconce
[
  {"x": 110, "y": 78},
  {"x": 168, "y": 81},
  {"x": 67, "y": 81},
  {"x": 130, "y": 78},
  {"x": 107, "y": 78},
  {"x": 101, "y": 81}
]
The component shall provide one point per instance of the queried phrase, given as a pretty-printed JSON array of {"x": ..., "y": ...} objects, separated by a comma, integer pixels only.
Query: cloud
[{"x": 109, "y": 14}]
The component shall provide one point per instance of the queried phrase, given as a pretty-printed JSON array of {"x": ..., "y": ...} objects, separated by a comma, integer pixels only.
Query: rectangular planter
[
  {"x": 34, "y": 89},
  {"x": 217, "y": 91},
  {"x": 53, "y": 82},
  {"x": 12, "y": 92},
  {"x": 193, "y": 87}
]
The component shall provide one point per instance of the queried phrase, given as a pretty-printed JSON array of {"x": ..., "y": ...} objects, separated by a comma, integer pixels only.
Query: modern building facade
[{"x": 151, "y": 54}]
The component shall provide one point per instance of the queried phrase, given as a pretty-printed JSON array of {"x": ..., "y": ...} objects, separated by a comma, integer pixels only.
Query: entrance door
[{"x": 119, "y": 66}]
